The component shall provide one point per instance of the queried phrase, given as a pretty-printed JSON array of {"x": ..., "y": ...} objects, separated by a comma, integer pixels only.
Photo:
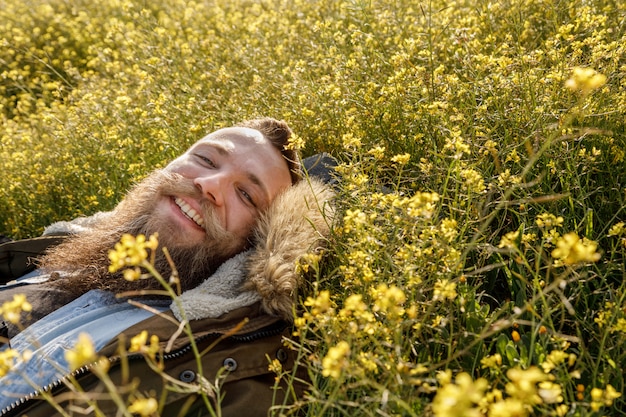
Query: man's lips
[{"x": 188, "y": 211}]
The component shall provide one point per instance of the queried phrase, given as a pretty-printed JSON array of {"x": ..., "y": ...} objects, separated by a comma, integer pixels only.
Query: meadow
[{"x": 476, "y": 267}]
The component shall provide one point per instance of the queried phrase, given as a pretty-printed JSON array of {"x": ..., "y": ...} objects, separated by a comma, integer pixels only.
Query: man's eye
[
  {"x": 206, "y": 160},
  {"x": 247, "y": 197}
]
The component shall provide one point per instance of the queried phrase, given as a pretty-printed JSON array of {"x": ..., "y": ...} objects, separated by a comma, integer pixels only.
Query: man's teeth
[{"x": 189, "y": 212}]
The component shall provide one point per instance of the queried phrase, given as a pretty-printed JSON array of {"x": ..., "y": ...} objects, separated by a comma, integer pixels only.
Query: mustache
[{"x": 171, "y": 185}]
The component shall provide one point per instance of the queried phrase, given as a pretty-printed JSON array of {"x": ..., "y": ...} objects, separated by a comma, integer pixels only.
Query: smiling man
[
  {"x": 203, "y": 205},
  {"x": 235, "y": 216}
]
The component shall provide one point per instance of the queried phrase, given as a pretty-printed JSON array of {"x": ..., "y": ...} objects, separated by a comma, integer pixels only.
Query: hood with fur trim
[{"x": 297, "y": 223}]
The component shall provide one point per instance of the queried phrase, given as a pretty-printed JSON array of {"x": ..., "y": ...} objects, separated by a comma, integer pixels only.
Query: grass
[{"x": 478, "y": 265}]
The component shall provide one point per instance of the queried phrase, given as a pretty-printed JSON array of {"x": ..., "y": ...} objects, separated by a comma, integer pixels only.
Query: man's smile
[{"x": 189, "y": 212}]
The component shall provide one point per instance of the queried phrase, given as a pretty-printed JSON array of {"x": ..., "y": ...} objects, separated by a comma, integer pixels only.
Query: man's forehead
[{"x": 229, "y": 136}]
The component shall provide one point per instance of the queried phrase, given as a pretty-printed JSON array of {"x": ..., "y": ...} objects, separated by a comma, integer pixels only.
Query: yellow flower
[
  {"x": 617, "y": 229},
  {"x": 388, "y": 300},
  {"x": 377, "y": 152},
  {"x": 350, "y": 141},
  {"x": 554, "y": 359},
  {"x": 131, "y": 251},
  {"x": 275, "y": 366},
  {"x": 422, "y": 204},
  {"x": 570, "y": 250},
  {"x": 7, "y": 360},
  {"x": 509, "y": 241},
  {"x": 444, "y": 290},
  {"x": 548, "y": 221},
  {"x": 523, "y": 385},
  {"x": 550, "y": 392},
  {"x": 506, "y": 178},
  {"x": 83, "y": 352},
  {"x": 401, "y": 159},
  {"x": 610, "y": 394},
  {"x": 138, "y": 341},
  {"x": 139, "y": 344},
  {"x": 493, "y": 361},
  {"x": 308, "y": 260},
  {"x": 460, "y": 398},
  {"x": 474, "y": 182},
  {"x": 295, "y": 142},
  {"x": 144, "y": 406},
  {"x": 336, "y": 360},
  {"x": 353, "y": 220},
  {"x": 509, "y": 407},
  {"x": 132, "y": 274},
  {"x": 368, "y": 361},
  {"x": 585, "y": 80},
  {"x": 12, "y": 310},
  {"x": 319, "y": 304}
]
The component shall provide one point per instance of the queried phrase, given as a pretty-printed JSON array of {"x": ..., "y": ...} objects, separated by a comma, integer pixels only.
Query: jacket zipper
[{"x": 268, "y": 331}]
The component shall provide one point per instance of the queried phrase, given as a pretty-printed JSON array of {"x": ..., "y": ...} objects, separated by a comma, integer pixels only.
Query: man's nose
[{"x": 211, "y": 187}]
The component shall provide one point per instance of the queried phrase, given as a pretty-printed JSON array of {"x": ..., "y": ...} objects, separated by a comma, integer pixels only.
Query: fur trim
[
  {"x": 218, "y": 294},
  {"x": 297, "y": 223}
]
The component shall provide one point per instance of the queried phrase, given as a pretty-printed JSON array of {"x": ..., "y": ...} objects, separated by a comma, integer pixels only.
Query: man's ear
[{"x": 296, "y": 223}]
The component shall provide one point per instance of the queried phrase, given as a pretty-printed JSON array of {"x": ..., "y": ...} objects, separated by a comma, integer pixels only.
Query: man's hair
[{"x": 278, "y": 133}]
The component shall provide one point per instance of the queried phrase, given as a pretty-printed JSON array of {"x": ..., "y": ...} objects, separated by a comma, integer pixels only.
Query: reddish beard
[{"x": 82, "y": 260}]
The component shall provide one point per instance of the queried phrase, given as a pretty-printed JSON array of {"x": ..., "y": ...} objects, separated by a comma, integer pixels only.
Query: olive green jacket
[{"x": 239, "y": 346}]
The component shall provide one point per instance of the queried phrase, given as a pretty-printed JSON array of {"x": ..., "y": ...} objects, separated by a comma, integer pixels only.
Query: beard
[{"x": 81, "y": 262}]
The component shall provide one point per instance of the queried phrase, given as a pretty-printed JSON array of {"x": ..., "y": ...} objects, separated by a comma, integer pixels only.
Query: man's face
[
  {"x": 237, "y": 173},
  {"x": 204, "y": 206}
]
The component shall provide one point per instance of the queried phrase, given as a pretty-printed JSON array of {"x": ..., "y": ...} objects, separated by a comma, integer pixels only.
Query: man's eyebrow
[
  {"x": 219, "y": 148},
  {"x": 257, "y": 181}
]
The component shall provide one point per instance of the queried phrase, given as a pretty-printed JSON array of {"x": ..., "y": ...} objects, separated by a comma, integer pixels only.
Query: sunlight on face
[{"x": 238, "y": 172}]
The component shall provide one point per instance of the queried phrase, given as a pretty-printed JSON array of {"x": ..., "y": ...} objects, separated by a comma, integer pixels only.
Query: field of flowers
[{"x": 477, "y": 268}]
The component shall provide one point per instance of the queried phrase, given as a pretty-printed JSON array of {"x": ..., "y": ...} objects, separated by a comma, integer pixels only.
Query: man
[{"x": 235, "y": 217}]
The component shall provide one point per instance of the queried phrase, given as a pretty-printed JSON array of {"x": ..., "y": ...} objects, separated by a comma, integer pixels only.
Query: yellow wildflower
[
  {"x": 320, "y": 304},
  {"x": 509, "y": 407},
  {"x": 459, "y": 398},
  {"x": 570, "y": 250},
  {"x": 444, "y": 290},
  {"x": 550, "y": 392},
  {"x": 350, "y": 141},
  {"x": 401, "y": 159},
  {"x": 12, "y": 310},
  {"x": 506, "y": 179},
  {"x": 548, "y": 221},
  {"x": 295, "y": 142},
  {"x": 368, "y": 361},
  {"x": 83, "y": 352},
  {"x": 388, "y": 300},
  {"x": 617, "y": 229},
  {"x": 422, "y": 204},
  {"x": 7, "y": 360},
  {"x": 336, "y": 360},
  {"x": 554, "y": 359},
  {"x": 132, "y": 274},
  {"x": 474, "y": 182},
  {"x": 377, "y": 152},
  {"x": 144, "y": 406},
  {"x": 523, "y": 384},
  {"x": 131, "y": 251},
  {"x": 492, "y": 361},
  {"x": 620, "y": 326},
  {"x": 509, "y": 240},
  {"x": 138, "y": 341},
  {"x": 585, "y": 80},
  {"x": 353, "y": 220}
]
